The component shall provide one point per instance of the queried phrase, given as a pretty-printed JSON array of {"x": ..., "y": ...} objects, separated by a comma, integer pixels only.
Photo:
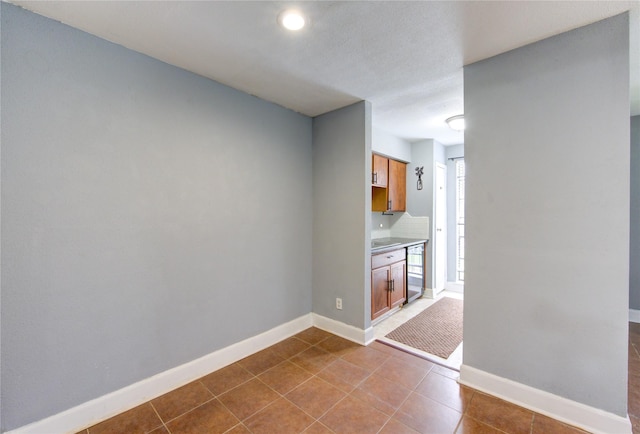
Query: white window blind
[{"x": 460, "y": 174}]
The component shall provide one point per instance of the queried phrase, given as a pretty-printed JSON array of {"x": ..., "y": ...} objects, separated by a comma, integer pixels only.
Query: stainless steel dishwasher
[{"x": 415, "y": 272}]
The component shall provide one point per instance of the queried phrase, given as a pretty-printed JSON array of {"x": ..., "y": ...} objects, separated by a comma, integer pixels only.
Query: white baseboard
[
  {"x": 359, "y": 336},
  {"x": 634, "y": 315},
  {"x": 104, "y": 407},
  {"x": 454, "y": 287},
  {"x": 563, "y": 409},
  {"x": 94, "y": 411},
  {"x": 433, "y": 293}
]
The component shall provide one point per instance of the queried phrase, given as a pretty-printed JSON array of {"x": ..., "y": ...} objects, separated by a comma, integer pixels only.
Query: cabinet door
[
  {"x": 398, "y": 276},
  {"x": 379, "y": 291},
  {"x": 397, "y": 189},
  {"x": 379, "y": 169}
]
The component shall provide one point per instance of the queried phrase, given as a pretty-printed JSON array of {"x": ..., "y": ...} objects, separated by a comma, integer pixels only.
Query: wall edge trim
[
  {"x": 343, "y": 330},
  {"x": 96, "y": 410},
  {"x": 566, "y": 410}
]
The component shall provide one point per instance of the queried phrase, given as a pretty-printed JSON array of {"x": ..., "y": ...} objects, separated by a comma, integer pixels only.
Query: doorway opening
[
  {"x": 409, "y": 330},
  {"x": 403, "y": 329}
]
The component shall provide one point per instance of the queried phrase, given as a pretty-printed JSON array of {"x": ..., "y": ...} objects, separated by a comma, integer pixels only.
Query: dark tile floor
[{"x": 316, "y": 382}]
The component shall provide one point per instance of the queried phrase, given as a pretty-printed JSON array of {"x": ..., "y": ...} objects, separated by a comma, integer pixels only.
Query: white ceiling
[{"x": 406, "y": 57}]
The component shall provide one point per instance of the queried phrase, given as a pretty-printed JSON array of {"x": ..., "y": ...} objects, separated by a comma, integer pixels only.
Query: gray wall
[
  {"x": 390, "y": 145},
  {"x": 420, "y": 202},
  {"x": 341, "y": 214},
  {"x": 547, "y": 151},
  {"x": 634, "y": 253},
  {"x": 453, "y": 151},
  {"x": 149, "y": 216}
]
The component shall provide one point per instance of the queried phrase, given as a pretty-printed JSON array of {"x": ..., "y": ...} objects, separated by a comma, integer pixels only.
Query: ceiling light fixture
[
  {"x": 291, "y": 20},
  {"x": 456, "y": 122}
]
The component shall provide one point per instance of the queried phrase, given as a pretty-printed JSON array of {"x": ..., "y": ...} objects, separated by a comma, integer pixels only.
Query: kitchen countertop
[{"x": 381, "y": 245}]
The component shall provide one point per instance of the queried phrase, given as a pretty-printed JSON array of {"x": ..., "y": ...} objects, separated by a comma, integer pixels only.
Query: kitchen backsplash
[
  {"x": 380, "y": 225},
  {"x": 399, "y": 225}
]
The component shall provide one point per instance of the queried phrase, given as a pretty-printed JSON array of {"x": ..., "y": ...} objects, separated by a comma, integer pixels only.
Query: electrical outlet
[{"x": 339, "y": 303}]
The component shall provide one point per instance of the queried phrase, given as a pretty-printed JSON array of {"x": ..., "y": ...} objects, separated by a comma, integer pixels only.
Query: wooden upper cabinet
[
  {"x": 397, "y": 188},
  {"x": 379, "y": 170},
  {"x": 388, "y": 185}
]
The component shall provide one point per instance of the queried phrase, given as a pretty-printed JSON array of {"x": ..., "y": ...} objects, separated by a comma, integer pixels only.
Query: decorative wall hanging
[{"x": 419, "y": 172}]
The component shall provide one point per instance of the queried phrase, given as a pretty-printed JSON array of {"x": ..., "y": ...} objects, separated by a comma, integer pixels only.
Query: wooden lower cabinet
[
  {"x": 380, "y": 278},
  {"x": 388, "y": 277},
  {"x": 398, "y": 295}
]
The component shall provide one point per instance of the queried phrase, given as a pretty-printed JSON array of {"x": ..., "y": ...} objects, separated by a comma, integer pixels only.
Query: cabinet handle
[
  {"x": 393, "y": 285},
  {"x": 375, "y": 177},
  {"x": 388, "y": 204}
]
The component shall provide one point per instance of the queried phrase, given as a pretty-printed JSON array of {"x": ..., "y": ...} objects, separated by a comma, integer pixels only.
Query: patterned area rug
[{"x": 437, "y": 330}]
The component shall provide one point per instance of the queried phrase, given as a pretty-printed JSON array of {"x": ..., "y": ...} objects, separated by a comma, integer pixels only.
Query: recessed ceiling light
[
  {"x": 456, "y": 122},
  {"x": 291, "y": 20}
]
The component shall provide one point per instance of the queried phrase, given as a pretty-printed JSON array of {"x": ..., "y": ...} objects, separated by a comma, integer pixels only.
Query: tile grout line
[
  {"x": 533, "y": 418},
  {"x": 161, "y": 420},
  {"x": 466, "y": 409},
  {"x": 329, "y": 409},
  {"x": 407, "y": 398},
  {"x": 188, "y": 411},
  {"x": 240, "y": 421},
  {"x": 213, "y": 397},
  {"x": 255, "y": 377},
  {"x": 463, "y": 414},
  {"x": 635, "y": 349},
  {"x": 233, "y": 427},
  {"x": 396, "y": 411},
  {"x": 283, "y": 395},
  {"x": 369, "y": 376},
  {"x": 414, "y": 390},
  {"x": 313, "y": 375},
  {"x": 347, "y": 394}
]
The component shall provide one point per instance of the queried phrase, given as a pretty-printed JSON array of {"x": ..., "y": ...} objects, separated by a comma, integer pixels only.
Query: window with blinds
[{"x": 460, "y": 220}]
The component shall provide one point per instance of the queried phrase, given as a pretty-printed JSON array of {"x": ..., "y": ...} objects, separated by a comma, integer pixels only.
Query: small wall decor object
[{"x": 419, "y": 172}]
